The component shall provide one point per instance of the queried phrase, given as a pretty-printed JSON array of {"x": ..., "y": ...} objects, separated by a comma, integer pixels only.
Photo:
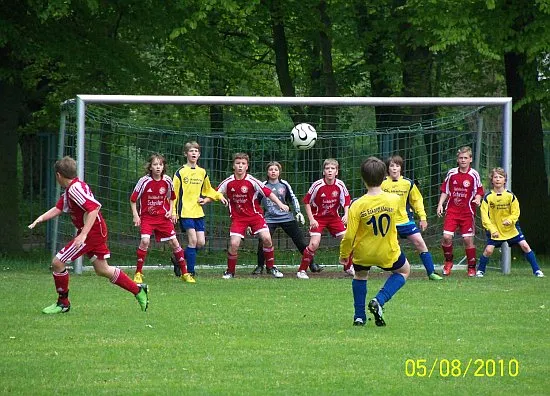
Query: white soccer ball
[{"x": 303, "y": 136}]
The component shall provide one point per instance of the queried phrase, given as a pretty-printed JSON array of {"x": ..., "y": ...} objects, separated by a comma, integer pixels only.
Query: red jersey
[
  {"x": 154, "y": 195},
  {"x": 325, "y": 199},
  {"x": 461, "y": 187},
  {"x": 78, "y": 200},
  {"x": 243, "y": 195}
]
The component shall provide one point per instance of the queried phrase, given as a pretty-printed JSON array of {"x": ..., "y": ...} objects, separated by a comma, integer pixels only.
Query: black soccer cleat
[
  {"x": 315, "y": 267},
  {"x": 376, "y": 310},
  {"x": 258, "y": 270},
  {"x": 177, "y": 269}
]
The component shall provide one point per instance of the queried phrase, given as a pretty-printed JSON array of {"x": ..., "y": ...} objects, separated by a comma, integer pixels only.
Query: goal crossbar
[{"x": 504, "y": 102}]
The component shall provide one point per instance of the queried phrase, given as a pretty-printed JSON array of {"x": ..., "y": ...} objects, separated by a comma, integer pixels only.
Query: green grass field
[{"x": 275, "y": 336}]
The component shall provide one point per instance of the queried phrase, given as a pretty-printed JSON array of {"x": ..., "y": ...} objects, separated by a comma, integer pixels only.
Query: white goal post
[{"x": 504, "y": 103}]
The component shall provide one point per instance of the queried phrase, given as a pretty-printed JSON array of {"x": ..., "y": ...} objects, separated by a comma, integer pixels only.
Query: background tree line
[{"x": 52, "y": 50}]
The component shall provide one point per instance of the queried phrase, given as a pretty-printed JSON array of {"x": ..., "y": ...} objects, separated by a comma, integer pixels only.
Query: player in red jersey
[
  {"x": 322, "y": 202},
  {"x": 156, "y": 197},
  {"x": 242, "y": 191},
  {"x": 91, "y": 238},
  {"x": 462, "y": 189}
]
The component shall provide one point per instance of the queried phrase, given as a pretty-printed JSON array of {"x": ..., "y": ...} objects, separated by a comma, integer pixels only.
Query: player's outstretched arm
[{"x": 50, "y": 214}]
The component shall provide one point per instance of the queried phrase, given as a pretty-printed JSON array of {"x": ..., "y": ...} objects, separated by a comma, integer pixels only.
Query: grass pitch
[{"x": 275, "y": 336}]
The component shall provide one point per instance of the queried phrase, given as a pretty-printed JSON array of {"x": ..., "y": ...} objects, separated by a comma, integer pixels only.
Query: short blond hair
[
  {"x": 189, "y": 145},
  {"x": 330, "y": 161},
  {"x": 497, "y": 171},
  {"x": 464, "y": 149},
  {"x": 244, "y": 156},
  {"x": 66, "y": 167}
]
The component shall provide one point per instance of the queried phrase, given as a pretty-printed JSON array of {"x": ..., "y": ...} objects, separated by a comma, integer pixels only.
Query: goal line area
[{"x": 111, "y": 137}]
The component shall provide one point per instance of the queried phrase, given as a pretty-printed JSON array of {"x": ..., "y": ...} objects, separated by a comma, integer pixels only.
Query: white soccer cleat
[
  {"x": 480, "y": 274},
  {"x": 302, "y": 275},
  {"x": 539, "y": 274},
  {"x": 275, "y": 272}
]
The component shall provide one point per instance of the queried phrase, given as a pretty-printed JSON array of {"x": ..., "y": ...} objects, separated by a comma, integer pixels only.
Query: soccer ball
[{"x": 303, "y": 136}]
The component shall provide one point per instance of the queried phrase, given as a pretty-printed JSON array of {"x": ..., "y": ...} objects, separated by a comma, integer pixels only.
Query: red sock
[
  {"x": 448, "y": 252},
  {"x": 122, "y": 280},
  {"x": 141, "y": 255},
  {"x": 181, "y": 260},
  {"x": 471, "y": 256},
  {"x": 61, "y": 281},
  {"x": 269, "y": 255},
  {"x": 231, "y": 262},
  {"x": 307, "y": 256}
]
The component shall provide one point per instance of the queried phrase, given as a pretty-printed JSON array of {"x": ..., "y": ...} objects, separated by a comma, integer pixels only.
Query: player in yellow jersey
[
  {"x": 500, "y": 214},
  {"x": 193, "y": 190},
  {"x": 411, "y": 202},
  {"x": 372, "y": 237}
]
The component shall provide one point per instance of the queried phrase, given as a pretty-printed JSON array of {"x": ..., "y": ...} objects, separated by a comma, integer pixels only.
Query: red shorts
[
  {"x": 335, "y": 226},
  {"x": 162, "y": 227},
  {"x": 465, "y": 223},
  {"x": 256, "y": 223},
  {"x": 94, "y": 247}
]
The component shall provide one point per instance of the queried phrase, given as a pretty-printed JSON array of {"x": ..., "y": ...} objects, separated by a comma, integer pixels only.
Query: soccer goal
[{"x": 111, "y": 136}]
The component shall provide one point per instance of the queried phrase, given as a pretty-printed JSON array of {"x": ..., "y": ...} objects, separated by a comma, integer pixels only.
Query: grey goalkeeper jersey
[{"x": 283, "y": 191}]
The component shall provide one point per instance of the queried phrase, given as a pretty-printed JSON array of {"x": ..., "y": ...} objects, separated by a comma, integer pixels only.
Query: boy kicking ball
[{"x": 372, "y": 237}]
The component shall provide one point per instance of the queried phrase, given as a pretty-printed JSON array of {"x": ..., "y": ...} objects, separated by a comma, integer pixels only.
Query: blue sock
[
  {"x": 392, "y": 286},
  {"x": 532, "y": 260},
  {"x": 359, "y": 288},
  {"x": 482, "y": 263},
  {"x": 428, "y": 262},
  {"x": 191, "y": 258}
]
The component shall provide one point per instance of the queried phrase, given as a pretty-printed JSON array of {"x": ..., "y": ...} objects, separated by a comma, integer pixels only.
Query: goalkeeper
[{"x": 275, "y": 217}]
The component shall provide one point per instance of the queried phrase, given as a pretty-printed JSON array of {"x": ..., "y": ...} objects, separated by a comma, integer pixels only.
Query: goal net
[{"x": 111, "y": 138}]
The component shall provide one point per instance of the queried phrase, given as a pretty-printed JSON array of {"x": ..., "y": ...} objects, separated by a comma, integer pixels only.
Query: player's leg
[
  {"x": 141, "y": 255},
  {"x": 467, "y": 228},
  {"x": 530, "y": 257},
  {"x": 260, "y": 252},
  {"x": 269, "y": 253},
  {"x": 309, "y": 253},
  {"x": 484, "y": 258},
  {"x": 449, "y": 227},
  {"x": 425, "y": 255},
  {"x": 293, "y": 230},
  {"x": 400, "y": 272},
  {"x": 359, "y": 290},
  {"x": 180, "y": 259},
  {"x": 237, "y": 231},
  {"x": 61, "y": 282},
  {"x": 118, "y": 277},
  {"x": 195, "y": 240}
]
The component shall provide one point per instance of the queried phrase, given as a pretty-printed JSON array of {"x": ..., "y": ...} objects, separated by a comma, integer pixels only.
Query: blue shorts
[
  {"x": 511, "y": 242},
  {"x": 196, "y": 224},
  {"x": 404, "y": 230},
  {"x": 400, "y": 262}
]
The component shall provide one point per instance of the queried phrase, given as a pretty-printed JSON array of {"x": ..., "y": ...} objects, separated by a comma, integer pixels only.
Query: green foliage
[{"x": 271, "y": 336}]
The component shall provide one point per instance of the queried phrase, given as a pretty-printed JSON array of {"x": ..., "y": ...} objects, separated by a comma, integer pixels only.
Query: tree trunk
[
  {"x": 11, "y": 100},
  {"x": 530, "y": 182},
  {"x": 280, "y": 48}
]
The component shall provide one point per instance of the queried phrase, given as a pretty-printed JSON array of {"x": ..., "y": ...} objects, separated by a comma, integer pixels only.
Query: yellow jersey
[
  {"x": 411, "y": 200},
  {"x": 371, "y": 231},
  {"x": 191, "y": 183},
  {"x": 497, "y": 207}
]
